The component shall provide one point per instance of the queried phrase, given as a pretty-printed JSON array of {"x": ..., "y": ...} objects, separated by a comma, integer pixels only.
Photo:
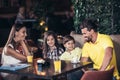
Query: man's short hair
[{"x": 89, "y": 24}]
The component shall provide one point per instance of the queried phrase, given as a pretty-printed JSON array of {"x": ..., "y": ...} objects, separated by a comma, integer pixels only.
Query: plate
[
  {"x": 41, "y": 61},
  {"x": 74, "y": 62}
]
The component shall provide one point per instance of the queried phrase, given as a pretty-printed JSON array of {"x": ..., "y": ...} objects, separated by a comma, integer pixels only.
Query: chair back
[
  {"x": 99, "y": 75},
  {"x": 1, "y": 49}
]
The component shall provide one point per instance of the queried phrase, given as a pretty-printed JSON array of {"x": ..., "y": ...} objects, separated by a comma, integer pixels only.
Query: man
[{"x": 98, "y": 47}]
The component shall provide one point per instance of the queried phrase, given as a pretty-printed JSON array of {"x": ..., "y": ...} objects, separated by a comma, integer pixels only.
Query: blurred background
[{"x": 61, "y": 16}]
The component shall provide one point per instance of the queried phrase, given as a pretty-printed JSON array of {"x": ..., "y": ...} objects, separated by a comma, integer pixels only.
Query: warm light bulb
[
  {"x": 46, "y": 28},
  {"x": 42, "y": 23}
]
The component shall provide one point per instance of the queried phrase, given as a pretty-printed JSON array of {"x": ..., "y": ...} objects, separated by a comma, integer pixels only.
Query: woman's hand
[{"x": 25, "y": 47}]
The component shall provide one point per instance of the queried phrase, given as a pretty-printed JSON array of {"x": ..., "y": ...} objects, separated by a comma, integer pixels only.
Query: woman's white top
[{"x": 8, "y": 59}]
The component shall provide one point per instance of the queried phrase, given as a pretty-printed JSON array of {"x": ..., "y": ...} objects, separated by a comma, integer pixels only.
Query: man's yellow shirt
[{"x": 96, "y": 52}]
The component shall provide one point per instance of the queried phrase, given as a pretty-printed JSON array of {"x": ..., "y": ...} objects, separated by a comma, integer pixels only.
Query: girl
[{"x": 51, "y": 47}]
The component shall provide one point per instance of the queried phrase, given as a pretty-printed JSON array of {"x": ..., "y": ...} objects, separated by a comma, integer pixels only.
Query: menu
[{"x": 13, "y": 67}]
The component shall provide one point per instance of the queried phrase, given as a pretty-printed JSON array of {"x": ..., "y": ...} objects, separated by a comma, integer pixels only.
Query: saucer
[
  {"x": 74, "y": 62},
  {"x": 41, "y": 61}
]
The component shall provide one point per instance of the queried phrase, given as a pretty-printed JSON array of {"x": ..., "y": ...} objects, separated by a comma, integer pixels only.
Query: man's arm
[
  {"x": 84, "y": 59},
  {"x": 107, "y": 58}
]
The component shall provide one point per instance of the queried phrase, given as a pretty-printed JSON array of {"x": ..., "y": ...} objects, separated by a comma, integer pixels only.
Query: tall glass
[
  {"x": 57, "y": 65},
  {"x": 30, "y": 57}
]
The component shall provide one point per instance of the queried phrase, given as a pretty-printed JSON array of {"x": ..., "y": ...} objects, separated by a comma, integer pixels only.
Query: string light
[
  {"x": 42, "y": 23},
  {"x": 46, "y": 28}
]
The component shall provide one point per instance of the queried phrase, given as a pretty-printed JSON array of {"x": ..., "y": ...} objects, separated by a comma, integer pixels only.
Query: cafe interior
[{"x": 41, "y": 16}]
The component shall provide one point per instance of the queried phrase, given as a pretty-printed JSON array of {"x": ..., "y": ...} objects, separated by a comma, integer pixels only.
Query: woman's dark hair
[
  {"x": 89, "y": 24},
  {"x": 15, "y": 27},
  {"x": 68, "y": 38},
  {"x": 46, "y": 47},
  {"x": 19, "y": 26}
]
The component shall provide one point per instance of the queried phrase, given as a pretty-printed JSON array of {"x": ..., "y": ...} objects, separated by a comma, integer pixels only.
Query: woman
[{"x": 15, "y": 50}]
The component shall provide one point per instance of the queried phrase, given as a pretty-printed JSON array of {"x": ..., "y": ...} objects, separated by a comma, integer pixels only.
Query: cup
[
  {"x": 40, "y": 64},
  {"x": 75, "y": 60},
  {"x": 57, "y": 66},
  {"x": 30, "y": 58}
]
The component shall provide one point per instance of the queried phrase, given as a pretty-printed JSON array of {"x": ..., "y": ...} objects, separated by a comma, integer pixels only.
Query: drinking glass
[
  {"x": 30, "y": 56},
  {"x": 57, "y": 65}
]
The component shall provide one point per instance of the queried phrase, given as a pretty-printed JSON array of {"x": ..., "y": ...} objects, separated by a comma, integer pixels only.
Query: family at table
[{"x": 98, "y": 47}]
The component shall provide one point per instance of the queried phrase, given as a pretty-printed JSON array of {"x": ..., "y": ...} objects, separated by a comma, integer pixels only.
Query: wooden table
[{"x": 48, "y": 70}]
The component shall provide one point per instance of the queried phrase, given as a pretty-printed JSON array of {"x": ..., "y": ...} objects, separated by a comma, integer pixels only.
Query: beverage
[
  {"x": 30, "y": 59},
  {"x": 40, "y": 64},
  {"x": 75, "y": 59},
  {"x": 57, "y": 66}
]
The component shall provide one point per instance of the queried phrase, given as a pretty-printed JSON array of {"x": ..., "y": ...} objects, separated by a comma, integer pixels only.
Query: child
[
  {"x": 71, "y": 52},
  {"x": 51, "y": 46}
]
